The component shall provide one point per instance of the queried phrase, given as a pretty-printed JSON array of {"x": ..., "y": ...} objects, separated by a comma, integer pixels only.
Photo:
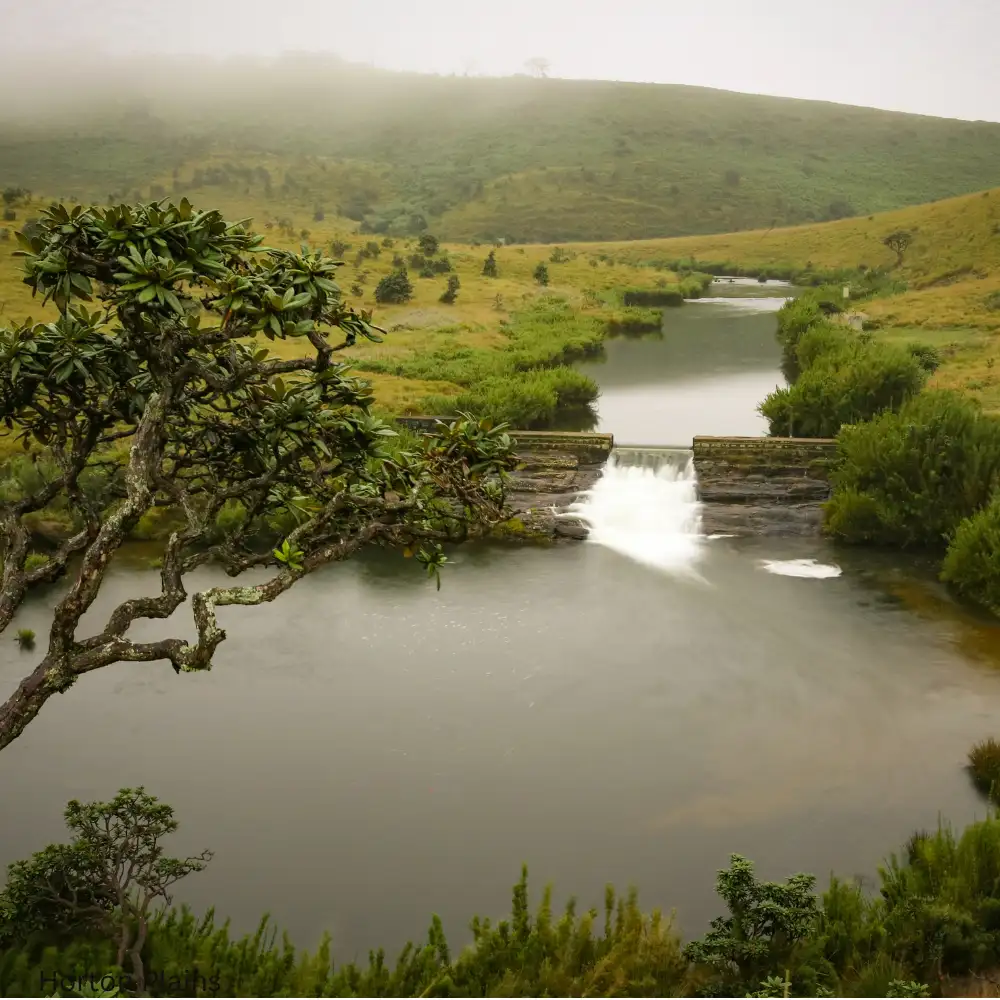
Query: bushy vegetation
[
  {"x": 933, "y": 921},
  {"x": 972, "y": 562},
  {"x": 909, "y": 478},
  {"x": 984, "y": 767},
  {"x": 394, "y": 288},
  {"x": 842, "y": 379},
  {"x": 526, "y": 382}
]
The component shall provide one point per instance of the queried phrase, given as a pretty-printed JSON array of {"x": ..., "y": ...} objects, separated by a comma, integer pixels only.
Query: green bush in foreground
[
  {"x": 909, "y": 479},
  {"x": 935, "y": 919},
  {"x": 972, "y": 562}
]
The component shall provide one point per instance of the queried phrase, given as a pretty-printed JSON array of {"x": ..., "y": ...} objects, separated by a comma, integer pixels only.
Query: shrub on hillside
[
  {"x": 909, "y": 478},
  {"x": 541, "y": 274},
  {"x": 490, "y": 269},
  {"x": 927, "y": 355},
  {"x": 394, "y": 288},
  {"x": 428, "y": 245},
  {"x": 449, "y": 295}
]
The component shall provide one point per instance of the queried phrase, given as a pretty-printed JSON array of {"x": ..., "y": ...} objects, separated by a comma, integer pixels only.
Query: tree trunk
[{"x": 26, "y": 702}]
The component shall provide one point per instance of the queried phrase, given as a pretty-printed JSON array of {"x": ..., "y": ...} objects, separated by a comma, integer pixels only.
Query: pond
[{"x": 368, "y": 751}]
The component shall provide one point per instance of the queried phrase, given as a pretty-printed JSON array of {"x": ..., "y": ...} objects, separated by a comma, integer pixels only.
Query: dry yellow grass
[{"x": 952, "y": 268}]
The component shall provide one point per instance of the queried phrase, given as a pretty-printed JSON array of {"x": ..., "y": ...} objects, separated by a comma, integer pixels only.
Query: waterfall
[{"x": 645, "y": 506}]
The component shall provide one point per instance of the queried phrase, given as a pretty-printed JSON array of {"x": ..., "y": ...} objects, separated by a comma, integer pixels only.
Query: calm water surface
[{"x": 368, "y": 751}]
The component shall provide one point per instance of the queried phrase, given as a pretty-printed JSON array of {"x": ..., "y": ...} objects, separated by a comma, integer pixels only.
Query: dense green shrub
[
  {"x": 490, "y": 269},
  {"x": 972, "y": 562},
  {"x": 845, "y": 382},
  {"x": 530, "y": 399},
  {"x": 798, "y": 315},
  {"x": 928, "y": 356},
  {"x": 394, "y": 288},
  {"x": 910, "y": 478},
  {"x": 450, "y": 293},
  {"x": 984, "y": 767},
  {"x": 428, "y": 245},
  {"x": 541, "y": 274}
]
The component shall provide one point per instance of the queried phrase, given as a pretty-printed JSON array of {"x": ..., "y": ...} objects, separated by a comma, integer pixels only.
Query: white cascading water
[{"x": 645, "y": 506}]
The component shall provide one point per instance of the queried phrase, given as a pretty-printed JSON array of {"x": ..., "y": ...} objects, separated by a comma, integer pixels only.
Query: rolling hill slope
[{"x": 476, "y": 158}]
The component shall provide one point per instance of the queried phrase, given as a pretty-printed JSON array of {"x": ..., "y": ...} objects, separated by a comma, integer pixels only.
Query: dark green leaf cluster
[
  {"x": 394, "y": 288},
  {"x": 908, "y": 479}
]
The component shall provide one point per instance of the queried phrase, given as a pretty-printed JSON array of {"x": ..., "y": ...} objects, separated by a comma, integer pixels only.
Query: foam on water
[
  {"x": 805, "y": 568},
  {"x": 645, "y": 506}
]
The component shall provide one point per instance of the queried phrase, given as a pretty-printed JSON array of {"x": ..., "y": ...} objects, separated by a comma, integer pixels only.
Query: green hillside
[{"x": 477, "y": 158}]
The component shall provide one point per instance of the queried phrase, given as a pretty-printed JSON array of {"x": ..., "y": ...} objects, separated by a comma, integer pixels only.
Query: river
[{"x": 368, "y": 751}]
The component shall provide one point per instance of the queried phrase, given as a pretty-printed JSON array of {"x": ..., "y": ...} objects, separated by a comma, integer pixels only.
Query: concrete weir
[
  {"x": 746, "y": 485},
  {"x": 763, "y": 485}
]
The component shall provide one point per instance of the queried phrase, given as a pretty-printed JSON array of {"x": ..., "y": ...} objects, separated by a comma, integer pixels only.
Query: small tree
[
  {"x": 319, "y": 213},
  {"x": 106, "y": 880},
  {"x": 767, "y": 923},
  {"x": 372, "y": 249},
  {"x": 428, "y": 245},
  {"x": 394, "y": 288},
  {"x": 167, "y": 366},
  {"x": 451, "y": 292},
  {"x": 898, "y": 242},
  {"x": 490, "y": 269},
  {"x": 541, "y": 274},
  {"x": 338, "y": 248}
]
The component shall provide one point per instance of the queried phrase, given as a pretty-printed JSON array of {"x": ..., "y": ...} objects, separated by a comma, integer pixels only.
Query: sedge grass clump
[
  {"x": 25, "y": 638},
  {"x": 984, "y": 767}
]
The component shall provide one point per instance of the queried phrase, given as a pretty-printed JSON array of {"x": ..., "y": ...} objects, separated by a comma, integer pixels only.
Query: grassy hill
[{"x": 476, "y": 158}]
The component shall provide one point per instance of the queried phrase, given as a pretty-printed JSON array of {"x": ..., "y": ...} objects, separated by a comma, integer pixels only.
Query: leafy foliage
[
  {"x": 843, "y": 380},
  {"x": 910, "y": 478},
  {"x": 972, "y": 563},
  {"x": 169, "y": 366},
  {"x": 428, "y": 244},
  {"x": 490, "y": 269},
  {"x": 541, "y": 273},
  {"x": 768, "y": 923},
  {"x": 394, "y": 288},
  {"x": 450, "y": 293},
  {"x": 104, "y": 881},
  {"x": 984, "y": 767}
]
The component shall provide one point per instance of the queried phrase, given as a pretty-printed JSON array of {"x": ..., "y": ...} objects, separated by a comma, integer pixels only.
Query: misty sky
[{"x": 926, "y": 56}]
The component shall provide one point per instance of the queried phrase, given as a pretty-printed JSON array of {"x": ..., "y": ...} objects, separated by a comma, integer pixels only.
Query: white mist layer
[
  {"x": 805, "y": 568},
  {"x": 645, "y": 506}
]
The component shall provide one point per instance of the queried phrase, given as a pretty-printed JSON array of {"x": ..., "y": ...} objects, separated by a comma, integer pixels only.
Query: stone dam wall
[
  {"x": 748, "y": 485},
  {"x": 763, "y": 485}
]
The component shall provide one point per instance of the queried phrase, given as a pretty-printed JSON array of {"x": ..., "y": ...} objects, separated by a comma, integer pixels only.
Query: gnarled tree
[{"x": 169, "y": 366}]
